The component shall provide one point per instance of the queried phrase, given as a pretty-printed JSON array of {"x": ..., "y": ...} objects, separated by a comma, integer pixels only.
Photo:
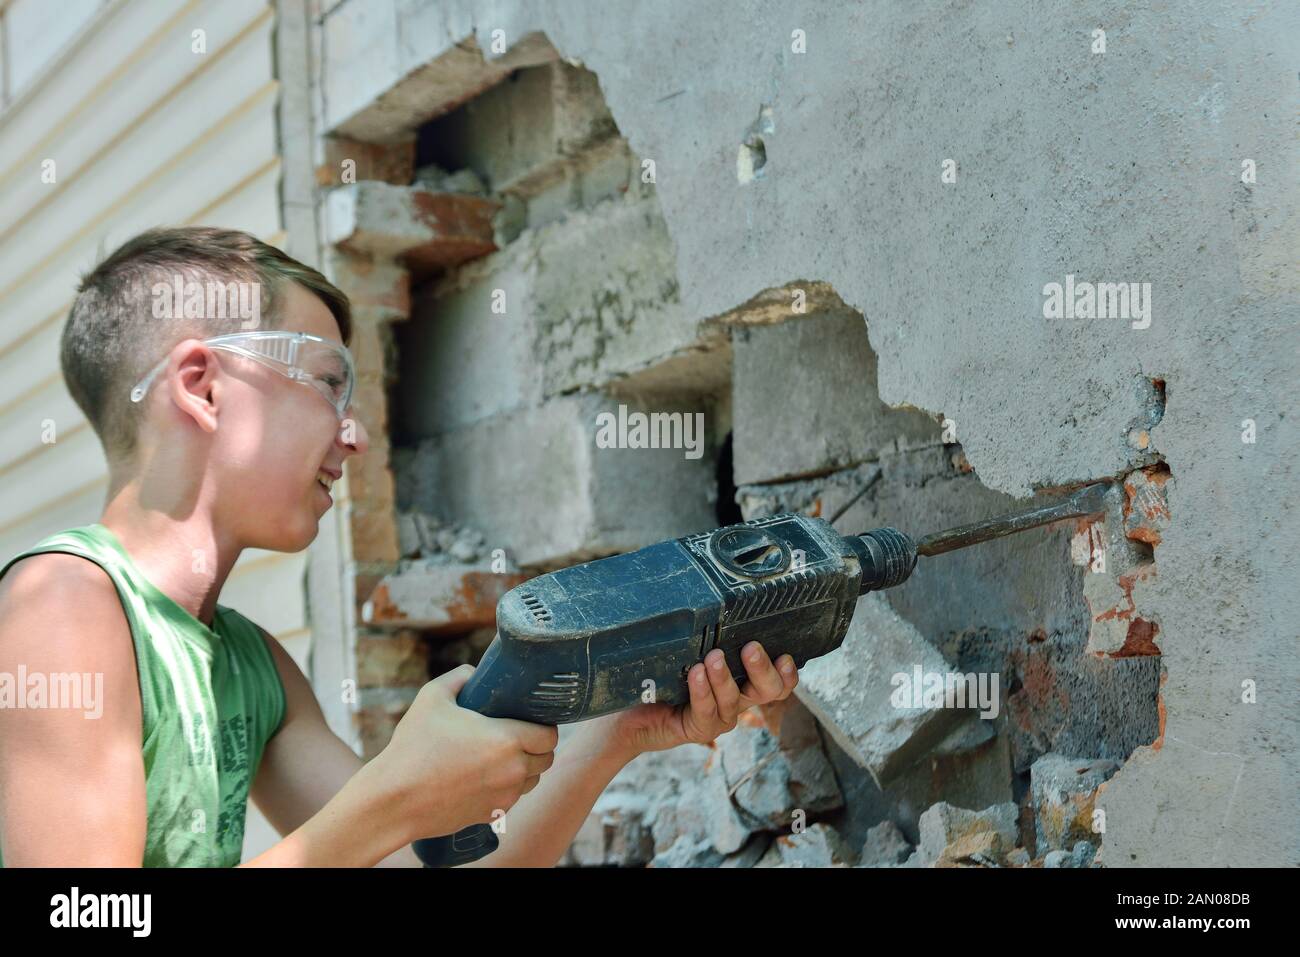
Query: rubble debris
[
  {"x": 850, "y": 691},
  {"x": 766, "y": 783},
  {"x": 688, "y": 851},
  {"x": 818, "y": 845},
  {"x": 422, "y": 536},
  {"x": 957, "y": 837},
  {"x": 435, "y": 179},
  {"x": 885, "y": 846},
  {"x": 751, "y": 853},
  {"x": 1064, "y": 791},
  {"x": 1083, "y": 855}
]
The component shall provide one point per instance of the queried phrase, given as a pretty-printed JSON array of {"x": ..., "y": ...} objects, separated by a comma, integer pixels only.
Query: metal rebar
[{"x": 860, "y": 492}]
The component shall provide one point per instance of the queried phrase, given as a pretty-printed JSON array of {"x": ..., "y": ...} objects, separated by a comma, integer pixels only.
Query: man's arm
[
  {"x": 543, "y": 824},
  {"x": 72, "y": 782},
  {"x": 72, "y": 785},
  {"x": 305, "y": 764}
]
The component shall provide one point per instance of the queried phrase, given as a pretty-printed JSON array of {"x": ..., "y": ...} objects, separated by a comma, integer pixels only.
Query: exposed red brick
[
  {"x": 383, "y": 287},
  {"x": 1039, "y": 698},
  {"x": 476, "y": 600},
  {"x": 1128, "y": 610},
  {"x": 1140, "y": 640},
  {"x": 387, "y": 162},
  {"x": 1146, "y": 510},
  {"x": 375, "y": 727},
  {"x": 394, "y": 659},
  {"x": 1159, "y": 742},
  {"x": 462, "y": 227},
  {"x": 374, "y": 534}
]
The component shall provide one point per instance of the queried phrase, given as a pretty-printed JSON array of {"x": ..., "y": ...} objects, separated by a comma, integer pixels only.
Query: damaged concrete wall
[{"x": 922, "y": 174}]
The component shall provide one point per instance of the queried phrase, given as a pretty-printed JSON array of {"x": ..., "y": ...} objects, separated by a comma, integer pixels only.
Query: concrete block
[
  {"x": 1072, "y": 702},
  {"x": 1064, "y": 792},
  {"x": 361, "y": 43},
  {"x": 468, "y": 352},
  {"x": 806, "y": 402},
  {"x": 522, "y": 324},
  {"x": 536, "y": 483},
  {"x": 850, "y": 690},
  {"x": 516, "y": 134},
  {"x": 780, "y": 303}
]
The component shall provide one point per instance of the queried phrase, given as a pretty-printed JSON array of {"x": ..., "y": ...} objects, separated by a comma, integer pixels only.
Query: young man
[{"x": 219, "y": 440}]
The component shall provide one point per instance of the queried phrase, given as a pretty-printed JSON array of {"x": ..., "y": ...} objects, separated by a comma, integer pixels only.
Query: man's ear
[{"x": 191, "y": 375}]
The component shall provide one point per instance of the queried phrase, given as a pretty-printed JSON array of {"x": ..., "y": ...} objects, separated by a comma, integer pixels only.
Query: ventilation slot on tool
[
  {"x": 537, "y": 607},
  {"x": 556, "y": 699}
]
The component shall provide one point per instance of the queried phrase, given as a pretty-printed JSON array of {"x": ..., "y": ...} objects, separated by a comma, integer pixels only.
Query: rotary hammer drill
[{"x": 596, "y": 638}]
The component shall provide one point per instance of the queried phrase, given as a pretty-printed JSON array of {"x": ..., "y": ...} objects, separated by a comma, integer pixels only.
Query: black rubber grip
[{"x": 452, "y": 850}]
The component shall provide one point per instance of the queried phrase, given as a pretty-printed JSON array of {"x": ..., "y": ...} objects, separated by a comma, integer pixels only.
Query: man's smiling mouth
[{"x": 326, "y": 479}]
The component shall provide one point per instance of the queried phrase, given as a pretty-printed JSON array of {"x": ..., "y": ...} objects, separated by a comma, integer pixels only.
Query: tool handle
[{"x": 477, "y": 840}]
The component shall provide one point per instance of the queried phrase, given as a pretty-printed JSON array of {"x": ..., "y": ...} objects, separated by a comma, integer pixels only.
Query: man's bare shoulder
[{"x": 42, "y": 595}]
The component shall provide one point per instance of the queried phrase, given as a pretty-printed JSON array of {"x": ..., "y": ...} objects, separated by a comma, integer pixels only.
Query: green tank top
[{"x": 210, "y": 700}]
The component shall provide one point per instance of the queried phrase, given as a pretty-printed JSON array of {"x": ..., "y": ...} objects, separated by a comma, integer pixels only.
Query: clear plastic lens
[
  {"x": 328, "y": 369},
  {"x": 326, "y": 366}
]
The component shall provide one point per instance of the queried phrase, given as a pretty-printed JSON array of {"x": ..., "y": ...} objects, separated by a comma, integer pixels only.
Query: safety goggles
[{"x": 326, "y": 366}]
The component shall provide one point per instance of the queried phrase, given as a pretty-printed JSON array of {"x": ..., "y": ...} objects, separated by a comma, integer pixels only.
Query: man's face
[{"x": 279, "y": 438}]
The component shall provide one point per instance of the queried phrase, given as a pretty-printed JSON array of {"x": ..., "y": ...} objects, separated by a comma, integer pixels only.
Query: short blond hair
[{"x": 112, "y": 338}]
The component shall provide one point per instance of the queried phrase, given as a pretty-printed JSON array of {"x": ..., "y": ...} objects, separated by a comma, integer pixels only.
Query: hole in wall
[{"x": 728, "y": 510}]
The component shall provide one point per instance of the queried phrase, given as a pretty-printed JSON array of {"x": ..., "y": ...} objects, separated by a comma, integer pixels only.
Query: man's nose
[{"x": 352, "y": 434}]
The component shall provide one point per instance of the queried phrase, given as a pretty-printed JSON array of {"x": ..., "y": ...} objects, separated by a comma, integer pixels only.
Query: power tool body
[{"x": 613, "y": 633}]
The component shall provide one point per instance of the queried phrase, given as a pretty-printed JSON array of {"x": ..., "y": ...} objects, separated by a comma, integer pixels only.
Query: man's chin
[{"x": 292, "y": 538}]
